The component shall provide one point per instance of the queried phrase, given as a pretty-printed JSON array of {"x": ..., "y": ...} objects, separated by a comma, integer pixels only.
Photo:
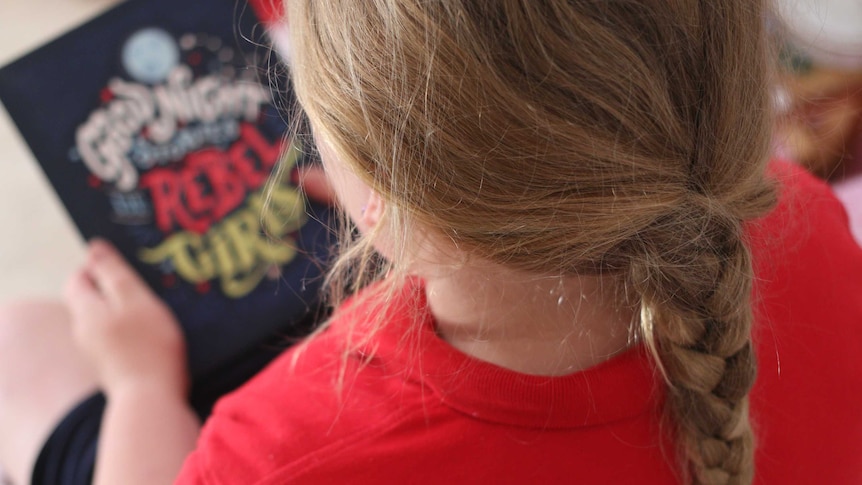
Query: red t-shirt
[{"x": 412, "y": 409}]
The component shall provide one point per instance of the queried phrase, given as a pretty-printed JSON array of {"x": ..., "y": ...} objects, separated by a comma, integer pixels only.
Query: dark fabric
[{"x": 68, "y": 457}]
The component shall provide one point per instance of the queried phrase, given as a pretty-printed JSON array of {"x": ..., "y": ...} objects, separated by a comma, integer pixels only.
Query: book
[{"x": 157, "y": 127}]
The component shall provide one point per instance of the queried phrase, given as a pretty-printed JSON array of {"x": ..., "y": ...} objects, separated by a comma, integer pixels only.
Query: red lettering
[
  {"x": 199, "y": 195},
  {"x": 229, "y": 190},
  {"x": 253, "y": 157},
  {"x": 210, "y": 183},
  {"x": 165, "y": 191}
]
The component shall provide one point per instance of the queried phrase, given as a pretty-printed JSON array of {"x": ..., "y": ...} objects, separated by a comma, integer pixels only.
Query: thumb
[
  {"x": 81, "y": 294},
  {"x": 110, "y": 273}
]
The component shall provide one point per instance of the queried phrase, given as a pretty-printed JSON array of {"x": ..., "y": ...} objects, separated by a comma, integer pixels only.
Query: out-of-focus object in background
[
  {"x": 820, "y": 109},
  {"x": 820, "y": 118},
  {"x": 271, "y": 13},
  {"x": 829, "y": 31}
]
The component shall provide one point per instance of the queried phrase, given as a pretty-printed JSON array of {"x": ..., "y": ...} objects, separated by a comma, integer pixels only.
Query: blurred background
[{"x": 39, "y": 246}]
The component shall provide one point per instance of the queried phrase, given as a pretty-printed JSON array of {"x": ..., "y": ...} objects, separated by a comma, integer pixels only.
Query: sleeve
[
  {"x": 280, "y": 417},
  {"x": 192, "y": 472},
  {"x": 229, "y": 449},
  {"x": 240, "y": 439}
]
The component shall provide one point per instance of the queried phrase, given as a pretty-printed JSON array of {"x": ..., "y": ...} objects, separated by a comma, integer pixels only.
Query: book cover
[{"x": 157, "y": 127}]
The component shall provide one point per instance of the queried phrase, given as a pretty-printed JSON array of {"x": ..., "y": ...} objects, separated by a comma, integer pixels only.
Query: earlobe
[{"x": 373, "y": 209}]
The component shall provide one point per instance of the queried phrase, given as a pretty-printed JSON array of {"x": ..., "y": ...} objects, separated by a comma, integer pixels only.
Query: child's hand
[
  {"x": 312, "y": 180},
  {"x": 128, "y": 334}
]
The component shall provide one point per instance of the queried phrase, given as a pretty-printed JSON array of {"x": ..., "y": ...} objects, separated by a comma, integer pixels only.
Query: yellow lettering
[
  {"x": 187, "y": 252},
  {"x": 241, "y": 248}
]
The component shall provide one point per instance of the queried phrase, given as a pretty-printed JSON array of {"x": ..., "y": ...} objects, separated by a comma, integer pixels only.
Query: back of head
[{"x": 569, "y": 137}]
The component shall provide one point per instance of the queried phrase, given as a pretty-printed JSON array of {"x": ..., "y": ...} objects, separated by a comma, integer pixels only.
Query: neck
[{"x": 526, "y": 323}]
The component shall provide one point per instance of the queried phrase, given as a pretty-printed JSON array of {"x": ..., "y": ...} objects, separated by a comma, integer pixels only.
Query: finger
[
  {"x": 85, "y": 305},
  {"x": 111, "y": 273},
  {"x": 312, "y": 180},
  {"x": 81, "y": 292}
]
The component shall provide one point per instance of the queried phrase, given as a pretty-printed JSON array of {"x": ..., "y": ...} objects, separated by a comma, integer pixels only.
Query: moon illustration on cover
[{"x": 149, "y": 55}]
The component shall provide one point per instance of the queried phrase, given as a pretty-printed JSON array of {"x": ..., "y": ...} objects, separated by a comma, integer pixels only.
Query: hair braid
[
  {"x": 695, "y": 285},
  {"x": 694, "y": 273}
]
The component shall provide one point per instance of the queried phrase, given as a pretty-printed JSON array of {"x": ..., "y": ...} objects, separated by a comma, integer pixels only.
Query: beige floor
[
  {"x": 38, "y": 243},
  {"x": 39, "y": 246}
]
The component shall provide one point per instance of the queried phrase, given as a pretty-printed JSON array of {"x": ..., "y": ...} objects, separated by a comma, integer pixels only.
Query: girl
[{"x": 561, "y": 201}]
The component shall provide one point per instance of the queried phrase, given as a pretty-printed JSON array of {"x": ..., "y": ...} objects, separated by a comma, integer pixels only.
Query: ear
[{"x": 373, "y": 210}]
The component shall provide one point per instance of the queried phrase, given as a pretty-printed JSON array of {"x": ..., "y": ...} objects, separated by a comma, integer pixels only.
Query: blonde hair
[{"x": 626, "y": 138}]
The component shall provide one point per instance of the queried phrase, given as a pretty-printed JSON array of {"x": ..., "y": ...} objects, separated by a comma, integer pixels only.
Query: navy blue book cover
[{"x": 155, "y": 128}]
